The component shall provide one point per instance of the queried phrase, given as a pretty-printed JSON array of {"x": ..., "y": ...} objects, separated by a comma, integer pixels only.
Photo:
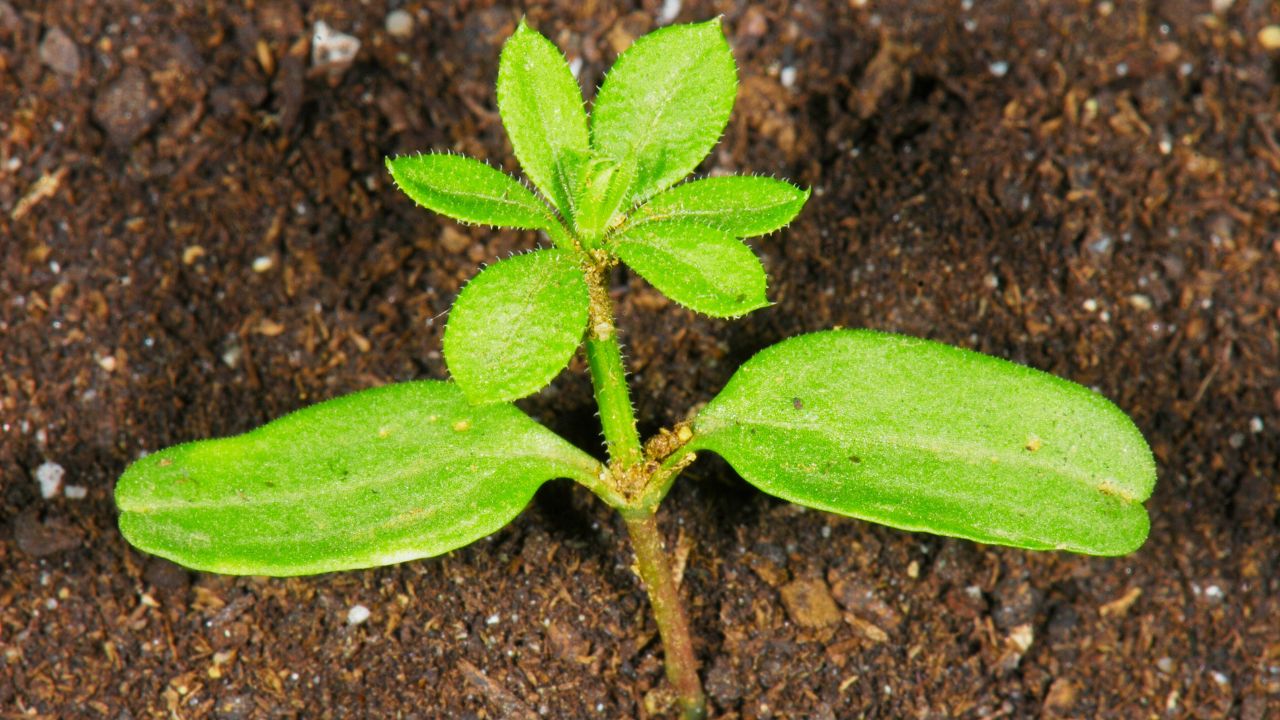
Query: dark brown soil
[{"x": 1088, "y": 188}]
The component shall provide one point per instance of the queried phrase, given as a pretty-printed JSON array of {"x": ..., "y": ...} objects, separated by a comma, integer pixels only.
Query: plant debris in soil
[{"x": 198, "y": 235}]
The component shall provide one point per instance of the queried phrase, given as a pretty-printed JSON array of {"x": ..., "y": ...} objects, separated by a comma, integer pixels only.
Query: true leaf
[
  {"x": 470, "y": 191},
  {"x": 923, "y": 436},
  {"x": 541, "y": 107},
  {"x": 699, "y": 267},
  {"x": 602, "y": 192},
  {"x": 377, "y": 477},
  {"x": 665, "y": 101},
  {"x": 742, "y": 206},
  {"x": 516, "y": 325}
]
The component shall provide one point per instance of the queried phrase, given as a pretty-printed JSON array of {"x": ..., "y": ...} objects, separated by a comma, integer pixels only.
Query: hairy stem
[
  {"x": 626, "y": 455},
  {"x": 664, "y": 596},
  {"x": 609, "y": 378}
]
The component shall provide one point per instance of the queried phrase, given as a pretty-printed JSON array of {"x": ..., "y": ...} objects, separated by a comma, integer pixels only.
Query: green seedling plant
[{"x": 896, "y": 430}]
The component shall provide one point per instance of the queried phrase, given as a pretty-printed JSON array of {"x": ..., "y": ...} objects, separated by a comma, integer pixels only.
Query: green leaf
[
  {"x": 516, "y": 325},
  {"x": 541, "y": 107},
  {"x": 665, "y": 101},
  {"x": 699, "y": 267},
  {"x": 468, "y": 190},
  {"x": 923, "y": 436},
  {"x": 601, "y": 194},
  {"x": 742, "y": 206},
  {"x": 378, "y": 477}
]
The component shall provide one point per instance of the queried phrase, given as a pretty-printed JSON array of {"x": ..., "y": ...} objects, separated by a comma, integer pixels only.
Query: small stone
[
  {"x": 332, "y": 50},
  {"x": 191, "y": 254},
  {"x": 670, "y": 10},
  {"x": 59, "y": 52},
  {"x": 357, "y": 615},
  {"x": 399, "y": 24},
  {"x": 999, "y": 68},
  {"x": 76, "y": 492},
  {"x": 1269, "y": 37},
  {"x": 127, "y": 109},
  {"x": 269, "y": 327},
  {"x": 1022, "y": 637},
  {"x": 108, "y": 363},
  {"x": 809, "y": 603},
  {"x": 1140, "y": 302},
  {"x": 787, "y": 77},
  {"x": 50, "y": 475},
  {"x": 39, "y": 538},
  {"x": 263, "y": 264},
  {"x": 862, "y": 598},
  {"x": 1061, "y": 696}
]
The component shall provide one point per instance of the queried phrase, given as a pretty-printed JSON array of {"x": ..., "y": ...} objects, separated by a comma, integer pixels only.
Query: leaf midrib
[
  {"x": 642, "y": 218},
  {"x": 639, "y": 147},
  {"x": 343, "y": 489},
  {"x": 968, "y": 452}
]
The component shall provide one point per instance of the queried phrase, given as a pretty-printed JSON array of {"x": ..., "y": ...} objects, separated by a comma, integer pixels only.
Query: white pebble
[
  {"x": 50, "y": 475},
  {"x": 493, "y": 619},
  {"x": 1255, "y": 425},
  {"x": 1213, "y": 592},
  {"x": 263, "y": 264},
  {"x": 1091, "y": 305},
  {"x": 788, "y": 76},
  {"x": 332, "y": 49},
  {"x": 357, "y": 615},
  {"x": 670, "y": 9},
  {"x": 76, "y": 492},
  {"x": 999, "y": 68},
  {"x": 399, "y": 23}
]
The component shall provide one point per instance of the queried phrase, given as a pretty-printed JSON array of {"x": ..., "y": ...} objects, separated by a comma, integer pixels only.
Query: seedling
[{"x": 905, "y": 432}]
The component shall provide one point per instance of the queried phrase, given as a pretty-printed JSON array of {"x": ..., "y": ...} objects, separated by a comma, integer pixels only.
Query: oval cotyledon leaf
[
  {"x": 922, "y": 436},
  {"x": 378, "y": 477}
]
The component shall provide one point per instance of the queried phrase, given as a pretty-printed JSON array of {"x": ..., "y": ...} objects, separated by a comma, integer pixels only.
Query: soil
[{"x": 198, "y": 235}]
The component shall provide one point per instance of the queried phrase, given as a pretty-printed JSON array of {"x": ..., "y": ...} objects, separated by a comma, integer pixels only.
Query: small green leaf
[
  {"x": 516, "y": 325},
  {"x": 377, "y": 477},
  {"x": 468, "y": 190},
  {"x": 699, "y": 267},
  {"x": 665, "y": 101},
  {"x": 541, "y": 107},
  {"x": 602, "y": 191},
  {"x": 923, "y": 436},
  {"x": 742, "y": 206}
]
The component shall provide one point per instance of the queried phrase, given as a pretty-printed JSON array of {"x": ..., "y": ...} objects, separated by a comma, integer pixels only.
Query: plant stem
[
  {"x": 618, "y": 421},
  {"x": 664, "y": 596},
  {"x": 609, "y": 378}
]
